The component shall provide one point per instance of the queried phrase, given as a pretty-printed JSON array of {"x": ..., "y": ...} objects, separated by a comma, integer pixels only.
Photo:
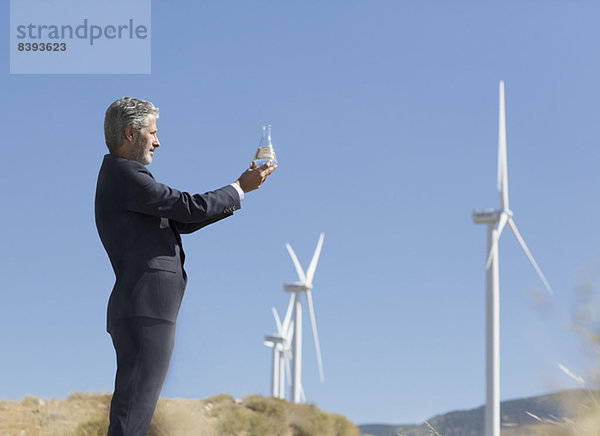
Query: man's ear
[{"x": 130, "y": 133}]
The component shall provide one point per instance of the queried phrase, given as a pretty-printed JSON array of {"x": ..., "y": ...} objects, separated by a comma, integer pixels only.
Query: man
[{"x": 139, "y": 222}]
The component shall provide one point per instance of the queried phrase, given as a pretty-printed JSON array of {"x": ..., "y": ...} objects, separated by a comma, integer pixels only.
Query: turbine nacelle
[
  {"x": 486, "y": 216},
  {"x": 489, "y": 215},
  {"x": 296, "y": 287},
  {"x": 271, "y": 340}
]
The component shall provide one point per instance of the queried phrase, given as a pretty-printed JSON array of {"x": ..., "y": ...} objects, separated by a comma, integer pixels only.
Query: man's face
[{"x": 145, "y": 143}]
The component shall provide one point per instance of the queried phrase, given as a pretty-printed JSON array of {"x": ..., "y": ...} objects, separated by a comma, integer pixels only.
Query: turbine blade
[
  {"x": 497, "y": 232},
  {"x": 269, "y": 344},
  {"x": 310, "y": 272},
  {"x": 311, "y": 311},
  {"x": 287, "y": 353},
  {"x": 501, "y": 134},
  {"x": 277, "y": 321},
  {"x": 493, "y": 249},
  {"x": 501, "y": 223},
  {"x": 290, "y": 332},
  {"x": 515, "y": 231},
  {"x": 502, "y": 163},
  {"x": 302, "y": 396},
  {"x": 299, "y": 269},
  {"x": 288, "y": 314}
]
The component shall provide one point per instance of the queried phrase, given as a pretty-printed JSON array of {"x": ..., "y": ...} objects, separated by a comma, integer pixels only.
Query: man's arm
[
  {"x": 190, "y": 212},
  {"x": 147, "y": 196},
  {"x": 192, "y": 227},
  {"x": 250, "y": 180}
]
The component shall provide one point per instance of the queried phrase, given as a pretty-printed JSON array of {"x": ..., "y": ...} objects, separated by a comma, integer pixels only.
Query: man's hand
[{"x": 253, "y": 177}]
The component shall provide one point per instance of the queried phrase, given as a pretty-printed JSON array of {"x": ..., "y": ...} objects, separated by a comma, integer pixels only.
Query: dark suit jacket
[{"x": 139, "y": 222}]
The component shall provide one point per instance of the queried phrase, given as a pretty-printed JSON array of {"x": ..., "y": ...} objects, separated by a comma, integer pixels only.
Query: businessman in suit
[{"x": 139, "y": 221}]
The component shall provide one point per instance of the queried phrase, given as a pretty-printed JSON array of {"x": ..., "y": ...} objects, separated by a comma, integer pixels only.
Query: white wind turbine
[
  {"x": 280, "y": 343},
  {"x": 303, "y": 285},
  {"x": 496, "y": 221}
]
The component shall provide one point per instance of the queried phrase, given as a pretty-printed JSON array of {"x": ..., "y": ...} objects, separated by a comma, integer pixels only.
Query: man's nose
[{"x": 156, "y": 143}]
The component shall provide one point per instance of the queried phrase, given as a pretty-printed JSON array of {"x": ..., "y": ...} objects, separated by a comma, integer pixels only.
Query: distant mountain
[{"x": 518, "y": 417}]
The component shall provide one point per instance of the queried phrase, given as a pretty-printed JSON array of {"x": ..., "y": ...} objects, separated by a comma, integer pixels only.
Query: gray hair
[{"x": 122, "y": 113}]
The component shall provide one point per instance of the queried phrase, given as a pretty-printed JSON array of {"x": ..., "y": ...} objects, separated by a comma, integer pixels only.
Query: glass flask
[{"x": 265, "y": 150}]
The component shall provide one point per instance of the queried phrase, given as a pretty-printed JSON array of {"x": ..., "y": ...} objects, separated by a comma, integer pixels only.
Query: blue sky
[{"x": 384, "y": 120}]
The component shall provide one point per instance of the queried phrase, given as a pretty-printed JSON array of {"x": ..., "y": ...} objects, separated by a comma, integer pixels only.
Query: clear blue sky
[{"x": 384, "y": 119}]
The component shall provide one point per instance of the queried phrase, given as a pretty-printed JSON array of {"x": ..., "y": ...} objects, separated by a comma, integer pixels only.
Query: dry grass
[
  {"x": 586, "y": 421},
  {"x": 87, "y": 415},
  {"x": 34, "y": 416}
]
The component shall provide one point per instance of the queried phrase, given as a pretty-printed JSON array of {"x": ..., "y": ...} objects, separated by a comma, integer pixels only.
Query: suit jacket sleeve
[
  {"x": 188, "y": 212},
  {"x": 184, "y": 228}
]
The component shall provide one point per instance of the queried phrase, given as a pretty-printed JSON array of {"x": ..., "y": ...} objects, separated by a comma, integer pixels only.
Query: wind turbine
[
  {"x": 496, "y": 220},
  {"x": 304, "y": 284},
  {"x": 280, "y": 342}
]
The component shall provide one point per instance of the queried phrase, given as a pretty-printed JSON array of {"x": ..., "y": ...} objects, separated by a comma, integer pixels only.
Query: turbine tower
[
  {"x": 304, "y": 284},
  {"x": 496, "y": 220}
]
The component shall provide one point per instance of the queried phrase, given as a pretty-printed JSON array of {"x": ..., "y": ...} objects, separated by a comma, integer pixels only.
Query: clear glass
[{"x": 265, "y": 150}]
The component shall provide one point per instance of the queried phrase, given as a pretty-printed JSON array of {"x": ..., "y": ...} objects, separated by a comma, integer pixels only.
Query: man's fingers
[
  {"x": 271, "y": 169},
  {"x": 266, "y": 165},
  {"x": 267, "y": 172}
]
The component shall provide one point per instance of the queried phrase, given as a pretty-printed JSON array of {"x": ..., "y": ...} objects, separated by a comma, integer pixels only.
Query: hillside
[
  {"x": 566, "y": 413},
  {"x": 87, "y": 415},
  {"x": 572, "y": 412}
]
